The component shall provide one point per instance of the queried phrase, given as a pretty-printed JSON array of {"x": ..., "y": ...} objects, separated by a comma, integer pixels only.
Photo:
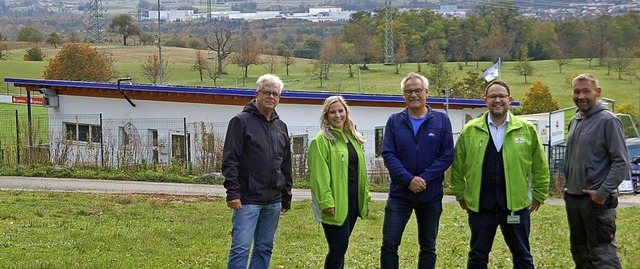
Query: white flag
[{"x": 492, "y": 73}]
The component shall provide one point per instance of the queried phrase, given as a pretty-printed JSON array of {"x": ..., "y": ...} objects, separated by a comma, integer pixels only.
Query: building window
[
  {"x": 379, "y": 133},
  {"x": 299, "y": 144},
  {"x": 83, "y": 132}
]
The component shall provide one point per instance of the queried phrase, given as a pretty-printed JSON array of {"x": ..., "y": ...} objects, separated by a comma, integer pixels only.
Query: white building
[
  {"x": 172, "y": 15},
  {"x": 153, "y": 125}
]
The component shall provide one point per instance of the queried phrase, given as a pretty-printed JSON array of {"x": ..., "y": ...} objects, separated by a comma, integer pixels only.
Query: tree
[
  {"x": 4, "y": 48},
  {"x": 287, "y": 59},
  {"x": 219, "y": 43},
  {"x": 538, "y": 99},
  {"x": 34, "y": 54},
  {"x": 147, "y": 38},
  {"x": 400, "y": 56},
  {"x": 525, "y": 68},
  {"x": 471, "y": 87},
  {"x": 30, "y": 34},
  {"x": 123, "y": 25},
  {"x": 151, "y": 69},
  {"x": 246, "y": 53},
  {"x": 54, "y": 39},
  {"x": 349, "y": 57},
  {"x": 73, "y": 37},
  {"x": 76, "y": 61},
  {"x": 621, "y": 60},
  {"x": 200, "y": 64}
]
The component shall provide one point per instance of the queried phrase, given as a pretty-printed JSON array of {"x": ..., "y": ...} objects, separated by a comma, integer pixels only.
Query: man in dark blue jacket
[
  {"x": 417, "y": 149},
  {"x": 257, "y": 175}
]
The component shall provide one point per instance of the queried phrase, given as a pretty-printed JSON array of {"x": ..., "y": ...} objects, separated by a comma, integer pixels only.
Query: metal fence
[{"x": 91, "y": 140}]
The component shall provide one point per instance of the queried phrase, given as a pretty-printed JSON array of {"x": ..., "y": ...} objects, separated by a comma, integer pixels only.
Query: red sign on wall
[{"x": 20, "y": 99}]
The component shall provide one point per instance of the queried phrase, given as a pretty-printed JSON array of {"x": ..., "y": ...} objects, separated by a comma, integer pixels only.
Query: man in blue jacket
[{"x": 417, "y": 149}]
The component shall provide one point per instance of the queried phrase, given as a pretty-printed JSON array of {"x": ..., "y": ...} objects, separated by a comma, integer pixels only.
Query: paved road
[{"x": 118, "y": 186}]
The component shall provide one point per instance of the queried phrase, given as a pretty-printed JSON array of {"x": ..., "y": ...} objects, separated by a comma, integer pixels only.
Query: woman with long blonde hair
[{"x": 339, "y": 184}]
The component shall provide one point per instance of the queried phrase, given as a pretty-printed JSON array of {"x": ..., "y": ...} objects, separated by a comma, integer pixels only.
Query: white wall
[{"x": 300, "y": 118}]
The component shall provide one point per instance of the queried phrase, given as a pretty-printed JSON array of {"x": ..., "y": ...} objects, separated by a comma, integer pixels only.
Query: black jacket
[{"x": 256, "y": 160}]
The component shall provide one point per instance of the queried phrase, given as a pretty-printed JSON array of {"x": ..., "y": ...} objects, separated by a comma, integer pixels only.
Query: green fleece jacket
[
  {"x": 328, "y": 165},
  {"x": 525, "y": 163}
]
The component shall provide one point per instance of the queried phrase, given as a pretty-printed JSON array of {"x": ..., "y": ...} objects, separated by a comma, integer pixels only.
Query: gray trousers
[{"x": 592, "y": 230}]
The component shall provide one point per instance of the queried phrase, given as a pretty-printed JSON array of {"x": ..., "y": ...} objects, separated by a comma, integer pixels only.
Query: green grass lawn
[{"x": 72, "y": 230}]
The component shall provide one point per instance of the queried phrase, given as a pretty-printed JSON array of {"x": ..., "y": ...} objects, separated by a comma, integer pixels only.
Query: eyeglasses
[
  {"x": 410, "y": 91},
  {"x": 268, "y": 93},
  {"x": 499, "y": 96}
]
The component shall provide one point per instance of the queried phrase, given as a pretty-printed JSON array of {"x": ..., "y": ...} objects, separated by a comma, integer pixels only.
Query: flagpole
[{"x": 499, "y": 69}]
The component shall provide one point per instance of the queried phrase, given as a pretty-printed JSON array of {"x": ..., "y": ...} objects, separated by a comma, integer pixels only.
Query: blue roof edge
[{"x": 238, "y": 91}]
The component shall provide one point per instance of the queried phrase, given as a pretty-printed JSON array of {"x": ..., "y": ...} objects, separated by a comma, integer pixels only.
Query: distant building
[{"x": 172, "y": 15}]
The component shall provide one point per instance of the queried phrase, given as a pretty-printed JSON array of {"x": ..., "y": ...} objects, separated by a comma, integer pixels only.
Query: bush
[{"x": 34, "y": 54}]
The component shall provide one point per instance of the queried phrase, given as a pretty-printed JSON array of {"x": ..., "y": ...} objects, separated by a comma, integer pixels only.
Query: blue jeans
[
  {"x": 257, "y": 224},
  {"x": 396, "y": 215},
  {"x": 483, "y": 226}
]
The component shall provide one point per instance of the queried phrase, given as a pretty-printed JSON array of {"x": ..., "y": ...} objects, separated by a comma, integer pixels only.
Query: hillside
[{"x": 378, "y": 79}]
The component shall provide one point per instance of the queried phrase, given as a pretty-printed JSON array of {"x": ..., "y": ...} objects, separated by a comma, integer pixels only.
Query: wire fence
[{"x": 91, "y": 140}]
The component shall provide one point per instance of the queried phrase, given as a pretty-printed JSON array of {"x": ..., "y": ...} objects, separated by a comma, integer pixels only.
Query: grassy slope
[{"x": 379, "y": 79}]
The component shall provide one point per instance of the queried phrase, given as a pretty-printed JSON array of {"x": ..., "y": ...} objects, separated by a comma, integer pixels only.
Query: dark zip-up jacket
[
  {"x": 256, "y": 160},
  {"x": 426, "y": 155},
  {"x": 596, "y": 155}
]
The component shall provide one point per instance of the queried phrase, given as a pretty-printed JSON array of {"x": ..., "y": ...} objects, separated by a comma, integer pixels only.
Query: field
[
  {"x": 72, "y": 230},
  {"x": 379, "y": 79}
]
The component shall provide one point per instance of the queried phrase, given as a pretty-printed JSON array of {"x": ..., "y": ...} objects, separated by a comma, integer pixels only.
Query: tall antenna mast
[
  {"x": 96, "y": 13},
  {"x": 388, "y": 34}
]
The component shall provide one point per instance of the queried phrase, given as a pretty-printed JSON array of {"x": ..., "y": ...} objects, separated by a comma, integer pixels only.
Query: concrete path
[{"x": 118, "y": 186}]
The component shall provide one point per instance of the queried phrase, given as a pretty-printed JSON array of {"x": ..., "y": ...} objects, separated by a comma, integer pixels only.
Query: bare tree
[
  {"x": 287, "y": 59},
  {"x": 246, "y": 53},
  {"x": 220, "y": 43}
]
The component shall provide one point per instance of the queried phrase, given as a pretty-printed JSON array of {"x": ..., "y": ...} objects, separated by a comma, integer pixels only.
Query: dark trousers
[
  {"x": 397, "y": 213},
  {"x": 483, "y": 226},
  {"x": 592, "y": 229},
  {"x": 338, "y": 237}
]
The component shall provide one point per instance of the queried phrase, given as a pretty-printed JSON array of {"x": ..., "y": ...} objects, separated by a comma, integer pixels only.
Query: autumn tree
[
  {"x": 54, "y": 39},
  {"x": 538, "y": 99},
  {"x": 30, "y": 34},
  {"x": 123, "y": 25},
  {"x": 200, "y": 63},
  {"x": 629, "y": 113},
  {"x": 78, "y": 61},
  {"x": 246, "y": 53},
  {"x": 400, "y": 56},
  {"x": 151, "y": 69}
]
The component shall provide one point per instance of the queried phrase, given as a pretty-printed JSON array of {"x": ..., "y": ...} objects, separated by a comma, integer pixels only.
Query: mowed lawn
[
  {"x": 379, "y": 79},
  {"x": 73, "y": 230}
]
